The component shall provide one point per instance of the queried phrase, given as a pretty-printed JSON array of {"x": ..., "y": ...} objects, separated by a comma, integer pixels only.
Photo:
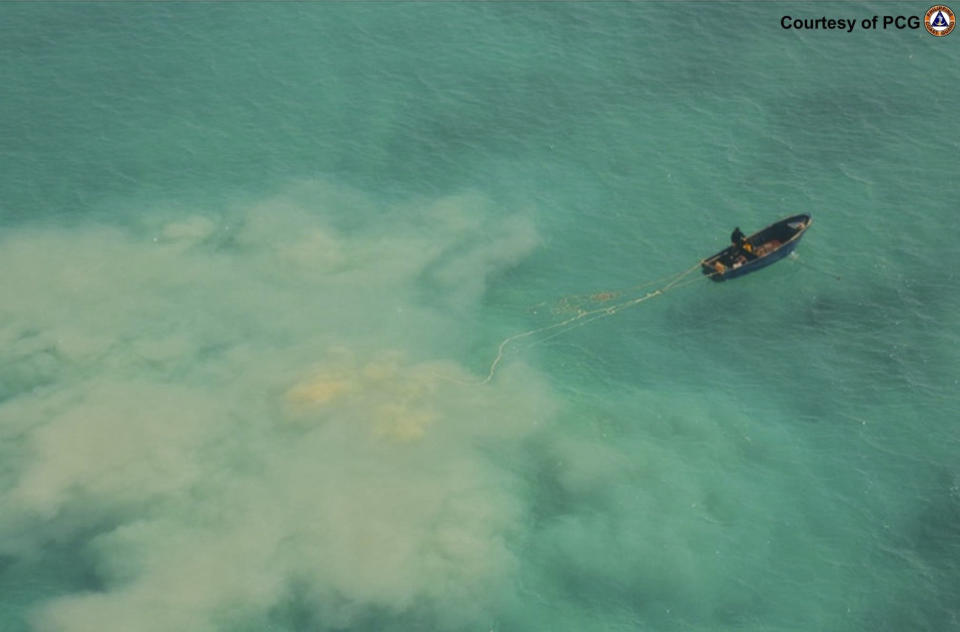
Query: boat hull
[{"x": 776, "y": 240}]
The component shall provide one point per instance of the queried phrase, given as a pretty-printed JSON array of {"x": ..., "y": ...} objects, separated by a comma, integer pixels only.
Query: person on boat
[{"x": 740, "y": 243}]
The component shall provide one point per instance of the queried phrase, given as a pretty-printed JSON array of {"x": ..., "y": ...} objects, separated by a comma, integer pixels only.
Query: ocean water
[{"x": 256, "y": 261}]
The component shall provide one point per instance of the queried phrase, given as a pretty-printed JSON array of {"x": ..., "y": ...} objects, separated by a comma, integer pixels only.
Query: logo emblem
[{"x": 939, "y": 20}]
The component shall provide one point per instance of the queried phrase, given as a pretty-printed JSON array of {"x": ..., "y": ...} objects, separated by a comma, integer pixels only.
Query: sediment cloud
[{"x": 235, "y": 412}]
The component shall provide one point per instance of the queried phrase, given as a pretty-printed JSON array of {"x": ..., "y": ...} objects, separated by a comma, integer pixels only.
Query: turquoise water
[{"x": 256, "y": 259}]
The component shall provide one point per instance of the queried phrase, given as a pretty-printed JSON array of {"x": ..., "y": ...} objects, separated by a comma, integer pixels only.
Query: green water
[{"x": 257, "y": 257}]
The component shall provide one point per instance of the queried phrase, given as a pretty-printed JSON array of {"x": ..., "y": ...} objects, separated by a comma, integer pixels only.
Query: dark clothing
[
  {"x": 741, "y": 247},
  {"x": 737, "y": 238}
]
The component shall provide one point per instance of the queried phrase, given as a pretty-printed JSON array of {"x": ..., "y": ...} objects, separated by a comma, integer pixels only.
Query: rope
[
  {"x": 576, "y": 301},
  {"x": 594, "y": 314},
  {"x": 674, "y": 281}
]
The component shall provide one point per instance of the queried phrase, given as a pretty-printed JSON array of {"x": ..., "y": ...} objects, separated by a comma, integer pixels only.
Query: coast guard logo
[{"x": 939, "y": 20}]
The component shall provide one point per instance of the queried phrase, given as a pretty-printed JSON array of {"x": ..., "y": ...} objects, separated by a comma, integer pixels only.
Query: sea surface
[{"x": 257, "y": 259}]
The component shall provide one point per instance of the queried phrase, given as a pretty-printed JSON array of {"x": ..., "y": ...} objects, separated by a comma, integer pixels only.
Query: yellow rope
[
  {"x": 610, "y": 311},
  {"x": 600, "y": 312},
  {"x": 575, "y": 301}
]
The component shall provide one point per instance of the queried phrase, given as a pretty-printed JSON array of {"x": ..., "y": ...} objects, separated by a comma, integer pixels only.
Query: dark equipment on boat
[{"x": 746, "y": 255}]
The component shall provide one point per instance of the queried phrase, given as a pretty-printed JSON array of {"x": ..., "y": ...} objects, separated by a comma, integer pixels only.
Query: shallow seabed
[{"x": 257, "y": 258}]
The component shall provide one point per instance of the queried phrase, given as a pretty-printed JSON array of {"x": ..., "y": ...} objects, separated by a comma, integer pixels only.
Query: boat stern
[{"x": 713, "y": 268}]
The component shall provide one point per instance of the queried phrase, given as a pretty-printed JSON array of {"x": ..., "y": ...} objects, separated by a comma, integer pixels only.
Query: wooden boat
[{"x": 769, "y": 245}]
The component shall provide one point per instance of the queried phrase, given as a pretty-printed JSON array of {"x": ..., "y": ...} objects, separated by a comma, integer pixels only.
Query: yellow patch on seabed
[
  {"x": 401, "y": 422},
  {"x": 319, "y": 390},
  {"x": 396, "y": 399}
]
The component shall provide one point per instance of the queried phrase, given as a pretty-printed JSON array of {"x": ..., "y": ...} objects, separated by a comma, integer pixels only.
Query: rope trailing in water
[
  {"x": 576, "y": 302},
  {"x": 672, "y": 282}
]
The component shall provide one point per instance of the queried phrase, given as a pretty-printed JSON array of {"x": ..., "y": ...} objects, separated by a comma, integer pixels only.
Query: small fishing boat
[{"x": 762, "y": 248}]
